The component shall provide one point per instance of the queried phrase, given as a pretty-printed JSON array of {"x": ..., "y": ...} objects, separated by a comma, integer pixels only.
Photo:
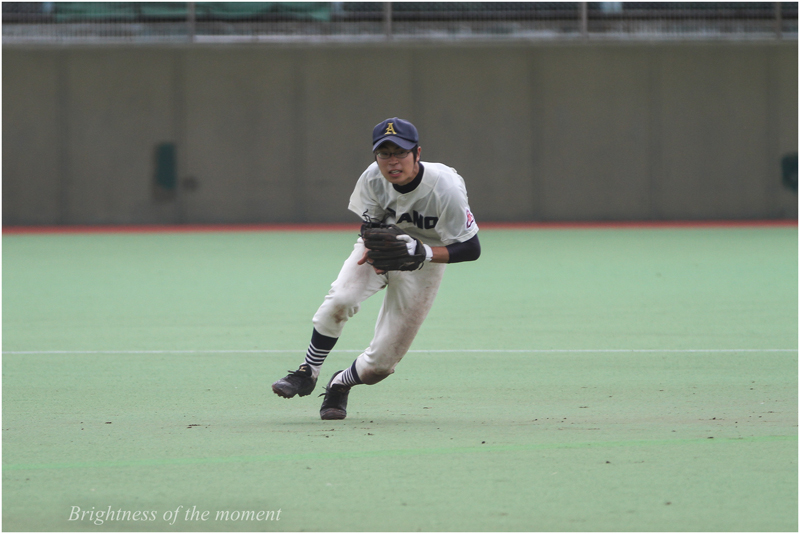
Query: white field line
[{"x": 287, "y": 351}]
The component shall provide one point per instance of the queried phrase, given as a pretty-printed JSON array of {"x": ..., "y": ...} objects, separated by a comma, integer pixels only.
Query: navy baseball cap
[{"x": 398, "y": 131}]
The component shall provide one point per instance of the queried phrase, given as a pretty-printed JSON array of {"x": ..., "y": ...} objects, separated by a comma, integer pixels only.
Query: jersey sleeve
[
  {"x": 457, "y": 224},
  {"x": 363, "y": 199}
]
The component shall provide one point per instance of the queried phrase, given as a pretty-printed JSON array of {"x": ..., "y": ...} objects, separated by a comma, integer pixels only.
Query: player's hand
[
  {"x": 364, "y": 259},
  {"x": 390, "y": 248}
]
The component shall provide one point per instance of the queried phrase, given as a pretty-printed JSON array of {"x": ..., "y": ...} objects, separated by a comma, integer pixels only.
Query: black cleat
[
  {"x": 334, "y": 406},
  {"x": 300, "y": 382}
]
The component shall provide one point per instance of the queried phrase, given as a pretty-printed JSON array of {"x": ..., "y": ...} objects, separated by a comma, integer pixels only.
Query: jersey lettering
[{"x": 418, "y": 220}]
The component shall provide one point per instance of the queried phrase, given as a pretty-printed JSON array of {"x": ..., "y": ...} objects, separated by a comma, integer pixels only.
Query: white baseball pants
[{"x": 409, "y": 297}]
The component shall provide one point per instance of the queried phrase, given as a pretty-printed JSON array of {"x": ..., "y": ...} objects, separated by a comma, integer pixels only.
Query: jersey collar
[{"x": 410, "y": 186}]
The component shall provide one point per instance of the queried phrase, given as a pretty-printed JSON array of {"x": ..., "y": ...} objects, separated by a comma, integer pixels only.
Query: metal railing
[{"x": 197, "y": 22}]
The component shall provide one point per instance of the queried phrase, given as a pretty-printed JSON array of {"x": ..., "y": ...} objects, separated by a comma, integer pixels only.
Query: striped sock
[
  {"x": 348, "y": 377},
  {"x": 318, "y": 350}
]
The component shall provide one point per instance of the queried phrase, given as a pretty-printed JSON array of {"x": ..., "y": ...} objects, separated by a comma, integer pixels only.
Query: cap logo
[{"x": 390, "y": 129}]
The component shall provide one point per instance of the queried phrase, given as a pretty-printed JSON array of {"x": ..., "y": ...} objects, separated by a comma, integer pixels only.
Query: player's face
[{"x": 398, "y": 170}]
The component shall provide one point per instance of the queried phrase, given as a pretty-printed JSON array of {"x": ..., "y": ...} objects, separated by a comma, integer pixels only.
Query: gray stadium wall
[{"x": 272, "y": 134}]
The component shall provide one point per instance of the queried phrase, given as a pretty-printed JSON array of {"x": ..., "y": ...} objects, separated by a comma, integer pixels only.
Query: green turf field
[{"x": 570, "y": 380}]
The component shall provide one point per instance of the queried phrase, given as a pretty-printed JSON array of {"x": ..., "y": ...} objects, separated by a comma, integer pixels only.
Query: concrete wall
[{"x": 552, "y": 132}]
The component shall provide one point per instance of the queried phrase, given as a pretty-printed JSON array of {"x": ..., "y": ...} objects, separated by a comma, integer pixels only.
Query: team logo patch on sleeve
[{"x": 470, "y": 219}]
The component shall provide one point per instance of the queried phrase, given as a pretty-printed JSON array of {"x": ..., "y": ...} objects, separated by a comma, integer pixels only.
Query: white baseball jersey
[{"x": 435, "y": 212}]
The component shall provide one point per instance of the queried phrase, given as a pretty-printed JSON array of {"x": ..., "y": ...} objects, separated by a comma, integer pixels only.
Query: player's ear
[{"x": 417, "y": 152}]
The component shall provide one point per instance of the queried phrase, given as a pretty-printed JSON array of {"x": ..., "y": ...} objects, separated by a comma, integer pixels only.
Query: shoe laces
[
  {"x": 335, "y": 389},
  {"x": 304, "y": 371}
]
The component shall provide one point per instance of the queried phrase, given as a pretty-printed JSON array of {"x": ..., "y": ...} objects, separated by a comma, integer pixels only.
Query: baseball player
[{"x": 416, "y": 220}]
